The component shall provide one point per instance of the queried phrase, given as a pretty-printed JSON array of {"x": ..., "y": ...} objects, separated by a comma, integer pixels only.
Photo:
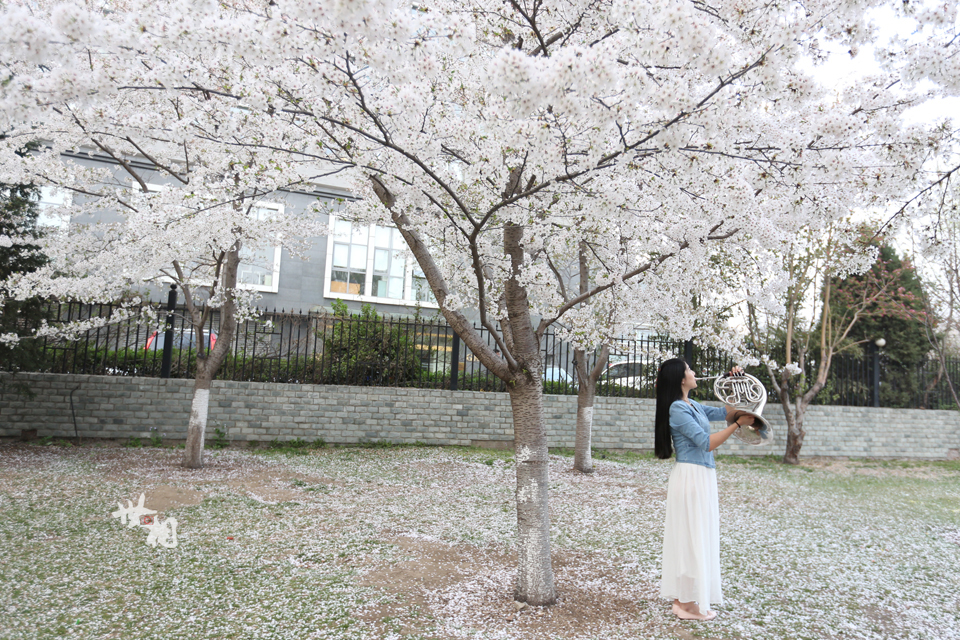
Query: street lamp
[{"x": 875, "y": 347}]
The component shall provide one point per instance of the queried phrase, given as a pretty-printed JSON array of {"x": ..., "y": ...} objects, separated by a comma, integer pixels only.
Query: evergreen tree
[
  {"x": 899, "y": 322},
  {"x": 18, "y": 219}
]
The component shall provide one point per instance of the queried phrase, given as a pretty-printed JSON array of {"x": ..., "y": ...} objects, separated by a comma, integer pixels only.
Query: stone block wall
[{"x": 118, "y": 407}]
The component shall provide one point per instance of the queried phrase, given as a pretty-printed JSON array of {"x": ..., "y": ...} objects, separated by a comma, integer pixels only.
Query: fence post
[
  {"x": 454, "y": 361},
  {"x": 168, "y": 334},
  {"x": 688, "y": 352}
]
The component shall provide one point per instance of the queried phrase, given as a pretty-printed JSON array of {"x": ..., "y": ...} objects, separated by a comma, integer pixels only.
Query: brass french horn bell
[{"x": 747, "y": 394}]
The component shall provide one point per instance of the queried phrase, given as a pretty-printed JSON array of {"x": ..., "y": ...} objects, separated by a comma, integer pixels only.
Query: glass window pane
[
  {"x": 249, "y": 274},
  {"x": 338, "y": 282},
  {"x": 358, "y": 257},
  {"x": 341, "y": 229},
  {"x": 397, "y": 266},
  {"x": 383, "y": 236},
  {"x": 379, "y": 286},
  {"x": 50, "y": 199},
  {"x": 415, "y": 285},
  {"x": 422, "y": 290},
  {"x": 341, "y": 254},
  {"x": 256, "y": 266},
  {"x": 357, "y": 283},
  {"x": 381, "y": 260},
  {"x": 396, "y": 288},
  {"x": 262, "y": 213}
]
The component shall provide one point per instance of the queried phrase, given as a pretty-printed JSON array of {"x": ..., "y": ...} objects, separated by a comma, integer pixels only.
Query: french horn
[{"x": 745, "y": 393}]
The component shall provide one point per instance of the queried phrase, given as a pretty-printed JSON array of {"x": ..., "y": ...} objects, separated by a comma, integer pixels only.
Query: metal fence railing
[{"x": 368, "y": 350}]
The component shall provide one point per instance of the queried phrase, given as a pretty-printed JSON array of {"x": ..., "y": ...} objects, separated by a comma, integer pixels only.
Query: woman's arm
[{"x": 718, "y": 438}]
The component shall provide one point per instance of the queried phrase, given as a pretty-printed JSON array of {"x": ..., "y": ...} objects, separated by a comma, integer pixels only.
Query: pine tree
[
  {"x": 18, "y": 218},
  {"x": 898, "y": 321}
]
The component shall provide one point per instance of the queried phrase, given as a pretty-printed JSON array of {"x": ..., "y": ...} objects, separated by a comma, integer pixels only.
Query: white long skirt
[{"x": 691, "y": 537}]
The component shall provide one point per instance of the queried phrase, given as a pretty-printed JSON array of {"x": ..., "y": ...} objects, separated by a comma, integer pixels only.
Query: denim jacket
[{"x": 690, "y": 431}]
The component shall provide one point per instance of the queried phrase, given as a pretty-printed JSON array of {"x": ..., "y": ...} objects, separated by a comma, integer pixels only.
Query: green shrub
[
  {"x": 219, "y": 439},
  {"x": 363, "y": 349}
]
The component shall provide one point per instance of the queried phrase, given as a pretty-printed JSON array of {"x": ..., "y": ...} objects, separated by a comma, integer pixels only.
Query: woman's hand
[
  {"x": 739, "y": 419},
  {"x": 739, "y": 416}
]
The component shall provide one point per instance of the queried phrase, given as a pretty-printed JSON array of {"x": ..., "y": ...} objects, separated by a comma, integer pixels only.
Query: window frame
[
  {"x": 408, "y": 270},
  {"x": 277, "y": 250}
]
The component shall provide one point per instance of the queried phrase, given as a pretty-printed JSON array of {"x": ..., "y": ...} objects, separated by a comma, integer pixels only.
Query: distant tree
[
  {"x": 18, "y": 225},
  {"x": 820, "y": 310},
  {"x": 899, "y": 321}
]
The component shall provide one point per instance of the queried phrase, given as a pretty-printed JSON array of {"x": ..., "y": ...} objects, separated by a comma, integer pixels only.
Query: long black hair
[{"x": 669, "y": 390}]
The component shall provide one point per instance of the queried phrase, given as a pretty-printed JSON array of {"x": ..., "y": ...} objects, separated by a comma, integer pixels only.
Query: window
[
  {"x": 349, "y": 259},
  {"x": 389, "y": 267},
  {"x": 260, "y": 268},
  {"x": 370, "y": 263},
  {"x": 421, "y": 288},
  {"x": 50, "y": 199}
]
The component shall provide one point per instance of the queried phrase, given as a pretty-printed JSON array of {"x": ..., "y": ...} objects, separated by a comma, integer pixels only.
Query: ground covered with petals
[{"x": 419, "y": 543}]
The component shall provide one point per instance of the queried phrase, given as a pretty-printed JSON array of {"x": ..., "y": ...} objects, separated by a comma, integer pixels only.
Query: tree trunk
[
  {"x": 535, "y": 571},
  {"x": 582, "y": 458},
  {"x": 197, "y": 428},
  {"x": 795, "y": 432},
  {"x": 586, "y": 394},
  {"x": 520, "y": 367},
  {"x": 795, "y": 414},
  {"x": 208, "y": 365}
]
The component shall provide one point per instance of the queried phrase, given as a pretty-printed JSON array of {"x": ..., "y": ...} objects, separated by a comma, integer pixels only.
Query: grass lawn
[{"x": 418, "y": 542}]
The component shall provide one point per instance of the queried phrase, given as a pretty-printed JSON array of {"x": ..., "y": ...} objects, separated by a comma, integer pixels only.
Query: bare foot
[{"x": 690, "y": 611}]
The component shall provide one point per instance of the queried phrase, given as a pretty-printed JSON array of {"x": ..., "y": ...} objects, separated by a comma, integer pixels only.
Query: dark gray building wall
[{"x": 301, "y": 280}]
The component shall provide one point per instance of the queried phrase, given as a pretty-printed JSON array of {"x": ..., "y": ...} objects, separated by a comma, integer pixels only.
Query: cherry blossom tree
[
  {"x": 936, "y": 236},
  {"x": 161, "y": 188},
  {"x": 503, "y": 137}
]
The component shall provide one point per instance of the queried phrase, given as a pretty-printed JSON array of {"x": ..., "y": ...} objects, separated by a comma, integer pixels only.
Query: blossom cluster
[{"x": 658, "y": 139}]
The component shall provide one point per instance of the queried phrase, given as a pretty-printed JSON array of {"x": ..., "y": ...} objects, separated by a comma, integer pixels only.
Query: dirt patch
[
  {"x": 434, "y": 565},
  {"x": 165, "y": 497},
  {"x": 272, "y": 487},
  {"x": 875, "y": 468},
  {"x": 470, "y": 587}
]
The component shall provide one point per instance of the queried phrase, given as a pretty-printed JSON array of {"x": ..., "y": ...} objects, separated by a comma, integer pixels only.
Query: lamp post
[
  {"x": 875, "y": 347},
  {"x": 167, "y": 357}
]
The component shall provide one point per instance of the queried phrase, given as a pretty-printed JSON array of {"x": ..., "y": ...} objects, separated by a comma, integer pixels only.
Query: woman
[{"x": 691, "y": 539}]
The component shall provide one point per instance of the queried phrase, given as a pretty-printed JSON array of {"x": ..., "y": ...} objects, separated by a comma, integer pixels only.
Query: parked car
[
  {"x": 556, "y": 374},
  {"x": 630, "y": 373},
  {"x": 181, "y": 340}
]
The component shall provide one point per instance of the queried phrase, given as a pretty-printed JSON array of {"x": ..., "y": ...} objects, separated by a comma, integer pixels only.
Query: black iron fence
[{"x": 368, "y": 350}]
